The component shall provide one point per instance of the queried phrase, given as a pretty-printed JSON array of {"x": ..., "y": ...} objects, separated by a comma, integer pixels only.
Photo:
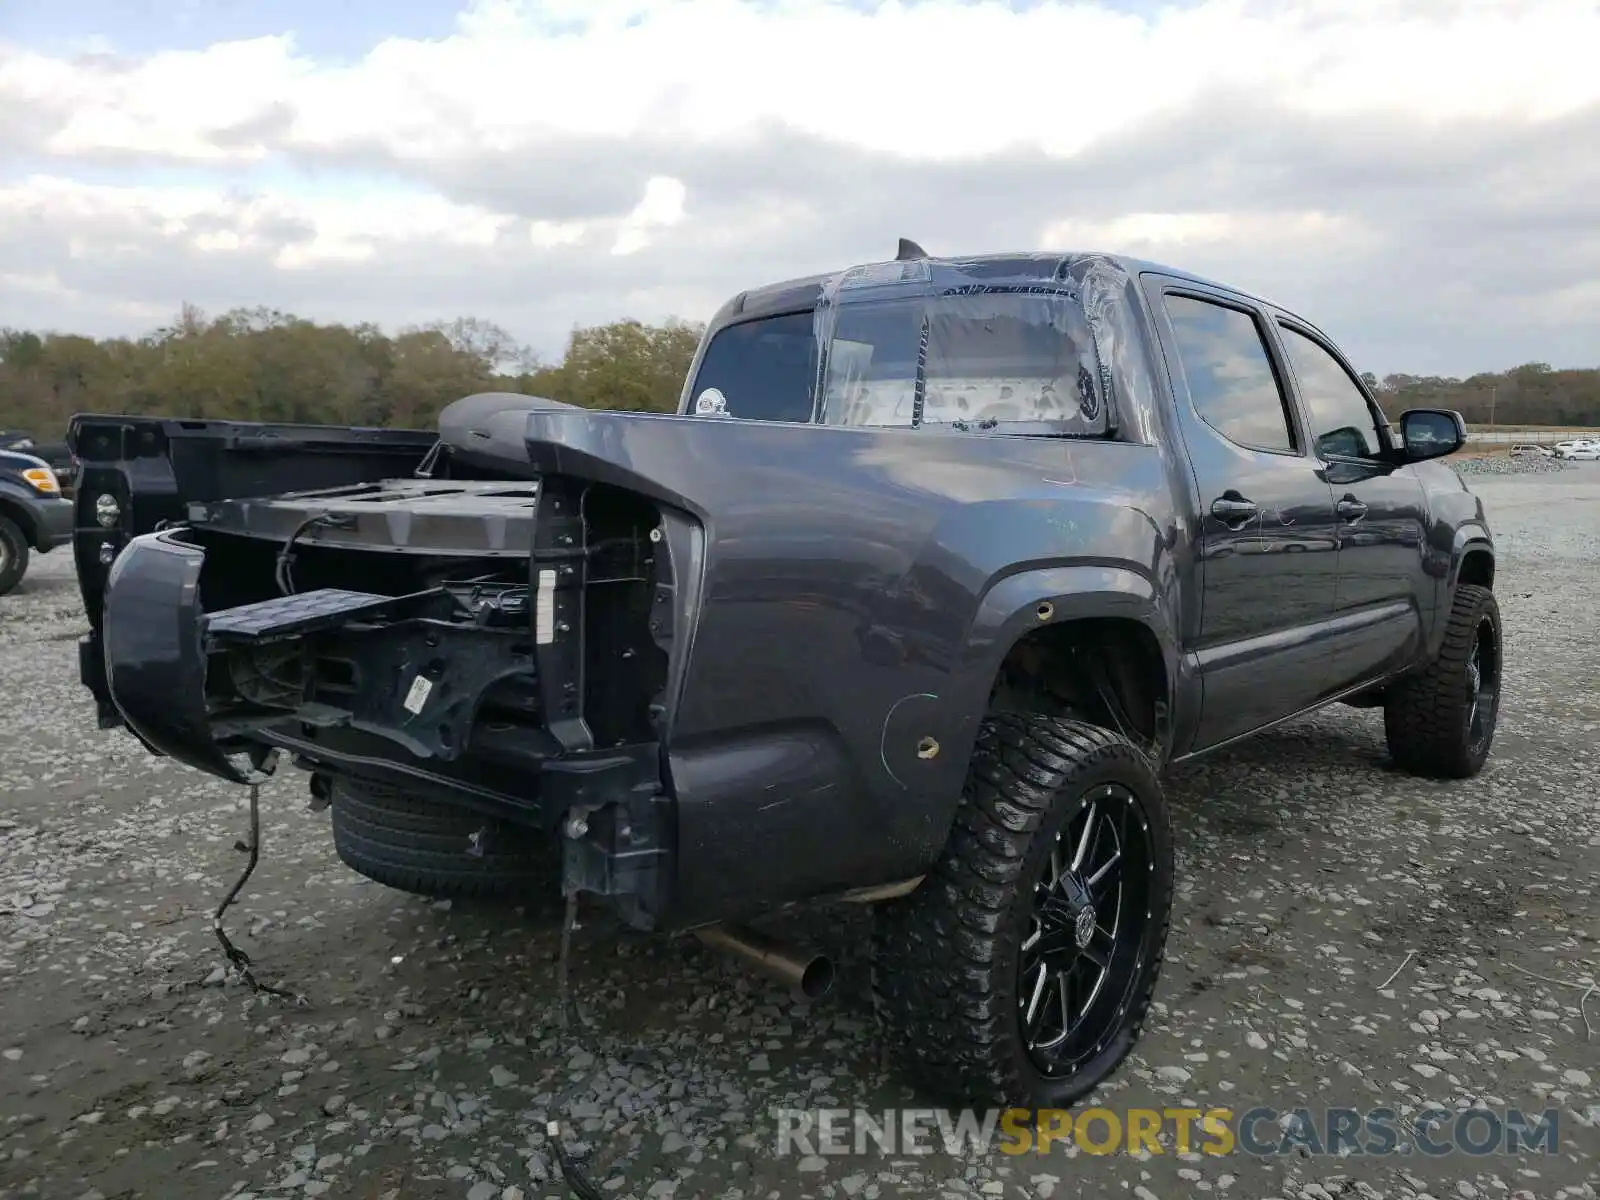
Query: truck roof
[{"x": 1013, "y": 267}]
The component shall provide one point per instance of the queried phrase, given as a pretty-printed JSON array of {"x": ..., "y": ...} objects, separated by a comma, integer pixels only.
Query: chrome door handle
[{"x": 1233, "y": 507}]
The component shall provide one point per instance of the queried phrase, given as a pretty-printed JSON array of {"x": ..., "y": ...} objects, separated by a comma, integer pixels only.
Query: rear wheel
[
  {"x": 1440, "y": 723},
  {"x": 13, "y": 555},
  {"x": 432, "y": 849},
  {"x": 1021, "y": 971}
]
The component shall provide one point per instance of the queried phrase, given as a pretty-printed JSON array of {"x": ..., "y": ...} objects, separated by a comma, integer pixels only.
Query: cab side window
[
  {"x": 763, "y": 368},
  {"x": 1342, "y": 422},
  {"x": 1231, "y": 379}
]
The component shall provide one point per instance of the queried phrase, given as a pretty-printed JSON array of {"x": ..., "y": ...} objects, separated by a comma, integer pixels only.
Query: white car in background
[
  {"x": 1565, "y": 449},
  {"x": 1589, "y": 453},
  {"x": 1529, "y": 448}
]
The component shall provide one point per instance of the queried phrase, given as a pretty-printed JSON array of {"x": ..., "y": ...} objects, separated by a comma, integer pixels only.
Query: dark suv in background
[{"x": 35, "y": 513}]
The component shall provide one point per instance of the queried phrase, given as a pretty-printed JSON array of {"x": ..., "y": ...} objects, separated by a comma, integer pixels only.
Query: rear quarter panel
[{"x": 856, "y": 591}]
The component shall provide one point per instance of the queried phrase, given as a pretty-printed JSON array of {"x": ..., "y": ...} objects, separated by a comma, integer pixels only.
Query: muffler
[{"x": 808, "y": 976}]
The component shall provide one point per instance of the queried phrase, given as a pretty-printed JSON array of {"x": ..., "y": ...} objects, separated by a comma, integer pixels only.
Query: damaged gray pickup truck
[{"x": 940, "y": 563}]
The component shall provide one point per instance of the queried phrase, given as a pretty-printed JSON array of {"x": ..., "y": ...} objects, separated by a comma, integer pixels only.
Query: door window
[
  {"x": 1231, "y": 379},
  {"x": 1342, "y": 422}
]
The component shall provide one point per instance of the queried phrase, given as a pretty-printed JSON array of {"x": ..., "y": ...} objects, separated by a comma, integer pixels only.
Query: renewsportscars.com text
[{"x": 1260, "y": 1131}]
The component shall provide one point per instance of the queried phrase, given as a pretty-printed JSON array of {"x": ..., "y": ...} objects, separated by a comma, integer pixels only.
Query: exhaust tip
[
  {"x": 816, "y": 981},
  {"x": 809, "y": 976}
]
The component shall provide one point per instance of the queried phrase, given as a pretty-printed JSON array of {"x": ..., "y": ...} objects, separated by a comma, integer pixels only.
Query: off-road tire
[
  {"x": 945, "y": 964},
  {"x": 425, "y": 847},
  {"x": 13, "y": 555},
  {"x": 1426, "y": 717}
]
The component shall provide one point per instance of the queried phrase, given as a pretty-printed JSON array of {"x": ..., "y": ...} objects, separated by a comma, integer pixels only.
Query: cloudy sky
[{"x": 1420, "y": 177}]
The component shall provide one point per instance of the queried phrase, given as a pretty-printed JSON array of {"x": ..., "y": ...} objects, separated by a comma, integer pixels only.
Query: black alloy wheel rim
[
  {"x": 1483, "y": 684},
  {"x": 1086, "y": 932}
]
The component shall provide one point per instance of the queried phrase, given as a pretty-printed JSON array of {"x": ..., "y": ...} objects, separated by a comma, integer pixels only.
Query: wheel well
[
  {"x": 1477, "y": 568},
  {"x": 15, "y": 511},
  {"x": 1108, "y": 671}
]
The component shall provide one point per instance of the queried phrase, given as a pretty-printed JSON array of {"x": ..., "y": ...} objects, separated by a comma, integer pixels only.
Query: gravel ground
[
  {"x": 1342, "y": 935},
  {"x": 1504, "y": 464}
]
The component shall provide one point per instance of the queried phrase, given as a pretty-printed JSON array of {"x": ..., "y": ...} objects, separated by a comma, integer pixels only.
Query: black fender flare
[
  {"x": 1020, "y": 603},
  {"x": 1470, "y": 539}
]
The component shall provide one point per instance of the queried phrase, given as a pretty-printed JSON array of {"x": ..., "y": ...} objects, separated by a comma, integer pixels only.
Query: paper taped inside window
[{"x": 977, "y": 358}]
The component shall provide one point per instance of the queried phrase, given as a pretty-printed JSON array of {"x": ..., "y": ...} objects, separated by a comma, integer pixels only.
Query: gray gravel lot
[{"x": 425, "y": 1062}]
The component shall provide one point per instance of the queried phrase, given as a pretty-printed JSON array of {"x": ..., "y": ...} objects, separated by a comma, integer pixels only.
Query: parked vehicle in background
[
  {"x": 1563, "y": 449},
  {"x": 1587, "y": 453},
  {"x": 939, "y": 563},
  {"x": 1525, "y": 450},
  {"x": 56, "y": 454},
  {"x": 34, "y": 515}
]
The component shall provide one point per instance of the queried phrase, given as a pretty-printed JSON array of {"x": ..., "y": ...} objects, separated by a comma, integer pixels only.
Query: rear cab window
[
  {"x": 1019, "y": 360},
  {"x": 1016, "y": 361}
]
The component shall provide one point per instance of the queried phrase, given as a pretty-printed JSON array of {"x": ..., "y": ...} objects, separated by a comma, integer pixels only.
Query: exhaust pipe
[{"x": 809, "y": 977}]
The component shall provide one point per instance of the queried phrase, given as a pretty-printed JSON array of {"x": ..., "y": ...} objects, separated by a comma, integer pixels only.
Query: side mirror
[
  {"x": 1346, "y": 441},
  {"x": 1431, "y": 433}
]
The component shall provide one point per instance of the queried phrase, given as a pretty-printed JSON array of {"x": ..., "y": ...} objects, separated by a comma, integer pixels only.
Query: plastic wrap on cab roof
[{"x": 1099, "y": 283}]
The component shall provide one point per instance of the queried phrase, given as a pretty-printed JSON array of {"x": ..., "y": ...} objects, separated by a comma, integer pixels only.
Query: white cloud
[
  {"x": 661, "y": 208},
  {"x": 548, "y": 234},
  {"x": 1294, "y": 146},
  {"x": 171, "y": 105},
  {"x": 1201, "y": 237},
  {"x": 926, "y": 79},
  {"x": 221, "y": 221}
]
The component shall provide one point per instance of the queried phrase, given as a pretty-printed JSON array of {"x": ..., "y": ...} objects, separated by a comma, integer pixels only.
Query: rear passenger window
[{"x": 1231, "y": 380}]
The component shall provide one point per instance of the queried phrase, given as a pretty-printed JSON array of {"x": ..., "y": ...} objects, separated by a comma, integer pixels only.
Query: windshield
[{"x": 1007, "y": 360}]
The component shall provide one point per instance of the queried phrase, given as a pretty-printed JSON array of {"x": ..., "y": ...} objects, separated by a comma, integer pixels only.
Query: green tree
[{"x": 628, "y": 365}]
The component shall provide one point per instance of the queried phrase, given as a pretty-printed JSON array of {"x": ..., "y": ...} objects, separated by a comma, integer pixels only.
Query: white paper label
[
  {"x": 544, "y": 614},
  {"x": 418, "y": 695}
]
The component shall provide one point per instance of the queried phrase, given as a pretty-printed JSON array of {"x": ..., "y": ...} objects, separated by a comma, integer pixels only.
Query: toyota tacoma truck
[{"x": 938, "y": 565}]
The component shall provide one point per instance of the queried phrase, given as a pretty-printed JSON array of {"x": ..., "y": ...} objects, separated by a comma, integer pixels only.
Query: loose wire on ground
[
  {"x": 577, "y": 1180},
  {"x": 236, "y": 956}
]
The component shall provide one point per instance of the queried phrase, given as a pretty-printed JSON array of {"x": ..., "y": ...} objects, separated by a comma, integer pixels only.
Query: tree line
[
  {"x": 259, "y": 364},
  {"x": 1532, "y": 394},
  {"x": 263, "y": 365}
]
